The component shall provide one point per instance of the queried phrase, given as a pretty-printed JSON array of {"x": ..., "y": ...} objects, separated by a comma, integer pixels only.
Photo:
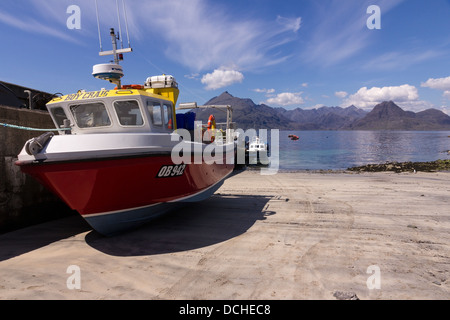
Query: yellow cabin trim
[{"x": 170, "y": 94}]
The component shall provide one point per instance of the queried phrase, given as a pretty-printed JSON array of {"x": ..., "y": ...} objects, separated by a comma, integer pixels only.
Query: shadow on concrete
[
  {"x": 24, "y": 240},
  {"x": 220, "y": 218}
]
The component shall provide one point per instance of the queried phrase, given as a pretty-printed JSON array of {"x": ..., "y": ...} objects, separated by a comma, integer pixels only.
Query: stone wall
[{"x": 23, "y": 201}]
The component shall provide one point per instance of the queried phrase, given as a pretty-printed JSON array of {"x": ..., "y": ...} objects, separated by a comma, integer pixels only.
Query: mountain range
[{"x": 384, "y": 116}]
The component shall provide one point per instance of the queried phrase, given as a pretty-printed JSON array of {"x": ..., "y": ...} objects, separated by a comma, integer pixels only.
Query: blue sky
[{"x": 290, "y": 53}]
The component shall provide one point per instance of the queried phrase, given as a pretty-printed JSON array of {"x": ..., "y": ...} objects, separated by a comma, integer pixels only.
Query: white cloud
[
  {"x": 317, "y": 106},
  {"x": 401, "y": 60},
  {"x": 305, "y": 85},
  {"x": 416, "y": 106},
  {"x": 290, "y": 23},
  {"x": 367, "y": 98},
  {"x": 204, "y": 34},
  {"x": 341, "y": 94},
  {"x": 267, "y": 91},
  {"x": 440, "y": 84},
  {"x": 192, "y": 76},
  {"x": 199, "y": 34},
  {"x": 220, "y": 78},
  {"x": 342, "y": 32},
  {"x": 286, "y": 99},
  {"x": 445, "y": 109},
  {"x": 29, "y": 24}
]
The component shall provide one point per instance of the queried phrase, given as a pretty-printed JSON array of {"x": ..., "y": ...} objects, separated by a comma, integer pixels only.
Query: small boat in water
[
  {"x": 112, "y": 160},
  {"x": 293, "y": 137},
  {"x": 257, "y": 152}
]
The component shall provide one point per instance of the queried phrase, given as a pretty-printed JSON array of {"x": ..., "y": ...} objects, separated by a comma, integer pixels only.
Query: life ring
[
  {"x": 211, "y": 126},
  {"x": 211, "y": 123}
]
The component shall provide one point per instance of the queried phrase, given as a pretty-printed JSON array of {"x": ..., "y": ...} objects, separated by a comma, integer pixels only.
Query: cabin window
[
  {"x": 59, "y": 116},
  {"x": 90, "y": 115},
  {"x": 168, "y": 118},
  {"x": 154, "y": 108},
  {"x": 129, "y": 113}
]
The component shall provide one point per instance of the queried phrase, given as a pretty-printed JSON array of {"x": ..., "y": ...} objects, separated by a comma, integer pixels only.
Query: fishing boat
[{"x": 113, "y": 159}]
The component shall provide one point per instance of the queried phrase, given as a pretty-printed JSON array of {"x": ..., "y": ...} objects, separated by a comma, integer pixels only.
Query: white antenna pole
[
  {"x": 126, "y": 22},
  {"x": 120, "y": 29},
  {"x": 98, "y": 26}
]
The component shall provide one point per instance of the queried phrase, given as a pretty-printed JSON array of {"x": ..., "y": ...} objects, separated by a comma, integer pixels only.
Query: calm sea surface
[{"x": 337, "y": 150}]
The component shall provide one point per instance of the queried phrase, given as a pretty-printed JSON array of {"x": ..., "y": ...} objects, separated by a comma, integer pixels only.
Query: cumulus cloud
[
  {"x": 440, "y": 84},
  {"x": 341, "y": 94},
  {"x": 286, "y": 99},
  {"x": 367, "y": 98},
  {"x": 220, "y": 78}
]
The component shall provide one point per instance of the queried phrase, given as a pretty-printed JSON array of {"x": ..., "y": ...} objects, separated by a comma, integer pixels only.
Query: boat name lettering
[
  {"x": 171, "y": 171},
  {"x": 86, "y": 95}
]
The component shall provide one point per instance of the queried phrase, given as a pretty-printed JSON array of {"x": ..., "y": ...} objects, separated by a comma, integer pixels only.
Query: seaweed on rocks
[{"x": 431, "y": 166}]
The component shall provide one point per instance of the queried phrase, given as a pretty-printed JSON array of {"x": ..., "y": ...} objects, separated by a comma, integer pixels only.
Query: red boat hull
[{"x": 134, "y": 189}]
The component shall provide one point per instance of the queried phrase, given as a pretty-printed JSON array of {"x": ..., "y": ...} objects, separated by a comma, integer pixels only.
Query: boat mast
[
  {"x": 112, "y": 72},
  {"x": 114, "y": 46}
]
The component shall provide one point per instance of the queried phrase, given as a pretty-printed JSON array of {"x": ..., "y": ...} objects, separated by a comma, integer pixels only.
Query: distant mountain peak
[
  {"x": 225, "y": 95},
  {"x": 389, "y": 116},
  {"x": 387, "y": 109},
  {"x": 386, "y": 115}
]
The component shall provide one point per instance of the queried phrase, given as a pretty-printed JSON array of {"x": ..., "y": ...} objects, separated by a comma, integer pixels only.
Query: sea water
[{"x": 339, "y": 150}]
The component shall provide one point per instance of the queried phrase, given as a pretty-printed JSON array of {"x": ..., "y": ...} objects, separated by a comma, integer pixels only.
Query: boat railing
[
  {"x": 220, "y": 132},
  {"x": 225, "y": 128}
]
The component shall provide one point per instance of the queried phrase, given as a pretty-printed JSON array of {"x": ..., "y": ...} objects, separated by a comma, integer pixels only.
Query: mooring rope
[{"x": 31, "y": 129}]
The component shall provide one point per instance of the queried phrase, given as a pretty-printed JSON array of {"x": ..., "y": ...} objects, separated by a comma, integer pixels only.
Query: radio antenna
[
  {"x": 126, "y": 22},
  {"x": 120, "y": 28},
  {"x": 112, "y": 72},
  {"x": 98, "y": 26}
]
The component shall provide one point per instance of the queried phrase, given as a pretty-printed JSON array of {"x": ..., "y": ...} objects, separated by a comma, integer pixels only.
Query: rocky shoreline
[{"x": 432, "y": 166}]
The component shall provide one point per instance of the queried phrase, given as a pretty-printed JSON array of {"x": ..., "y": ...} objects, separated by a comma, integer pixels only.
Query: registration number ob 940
[{"x": 171, "y": 171}]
